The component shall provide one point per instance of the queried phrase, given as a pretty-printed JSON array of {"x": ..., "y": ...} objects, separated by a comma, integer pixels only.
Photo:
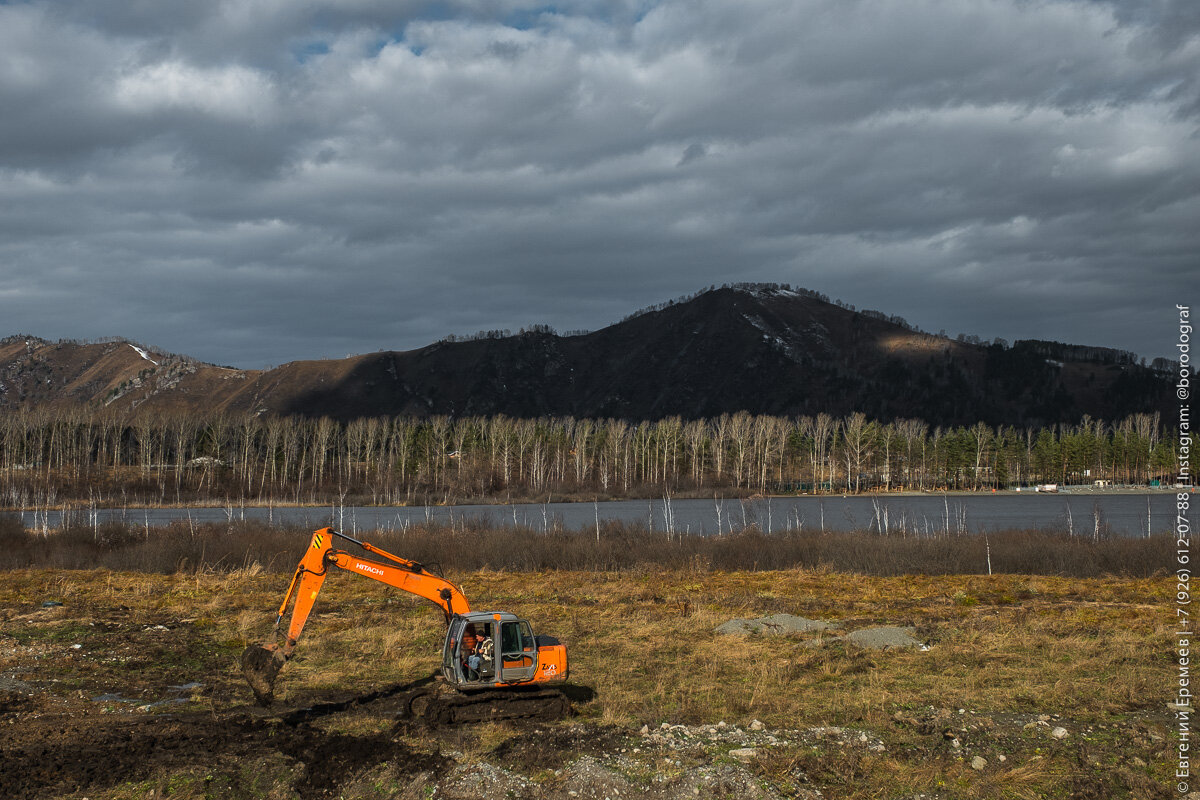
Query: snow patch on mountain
[{"x": 143, "y": 354}]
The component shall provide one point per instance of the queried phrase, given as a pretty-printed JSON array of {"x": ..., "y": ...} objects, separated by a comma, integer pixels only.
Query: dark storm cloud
[{"x": 261, "y": 181}]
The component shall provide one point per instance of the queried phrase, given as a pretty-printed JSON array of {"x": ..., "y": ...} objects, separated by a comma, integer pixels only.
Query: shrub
[{"x": 475, "y": 545}]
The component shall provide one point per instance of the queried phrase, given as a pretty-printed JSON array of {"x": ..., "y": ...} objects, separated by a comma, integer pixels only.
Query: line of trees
[{"x": 49, "y": 457}]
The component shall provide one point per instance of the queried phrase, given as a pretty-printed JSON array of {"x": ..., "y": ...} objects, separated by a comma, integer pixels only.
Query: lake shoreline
[{"x": 1073, "y": 491}]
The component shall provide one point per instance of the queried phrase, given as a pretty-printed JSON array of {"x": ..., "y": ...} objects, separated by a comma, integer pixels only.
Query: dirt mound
[
  {"x": 775, "y": 624},
  {"x": 884, "y": 637}
]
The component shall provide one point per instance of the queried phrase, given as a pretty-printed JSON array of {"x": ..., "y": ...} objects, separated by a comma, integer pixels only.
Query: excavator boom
[
  {"x": 261, "y": 663},
  {"x": 387, "y": 568}
]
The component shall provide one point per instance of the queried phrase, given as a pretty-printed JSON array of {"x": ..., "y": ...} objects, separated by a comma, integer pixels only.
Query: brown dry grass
[
  {"x": 646, "y": 640},
  {"x": 1092, "y": 650}
]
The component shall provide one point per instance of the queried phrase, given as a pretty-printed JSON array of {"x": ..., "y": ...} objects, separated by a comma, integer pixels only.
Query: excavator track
[{"x": 445, "y": 709}]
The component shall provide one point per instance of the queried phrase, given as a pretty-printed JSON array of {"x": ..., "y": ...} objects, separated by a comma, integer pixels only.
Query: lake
[{"x": 1121, "y": 514}]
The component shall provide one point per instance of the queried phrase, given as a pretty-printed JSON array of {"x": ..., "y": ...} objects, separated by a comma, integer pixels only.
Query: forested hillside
[{"x": 761, "y": 349}]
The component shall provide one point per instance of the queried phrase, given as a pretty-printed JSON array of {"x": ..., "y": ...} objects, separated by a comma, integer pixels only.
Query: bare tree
[
  {"x": 695, "y": 436},
  {"x": 581, "y": 444},
  {"x": 741, "y": 426},
  {"x": 859, "y": 436},
  {"x": 981, "y": 434},
  {"x": 824, "y": 431}
]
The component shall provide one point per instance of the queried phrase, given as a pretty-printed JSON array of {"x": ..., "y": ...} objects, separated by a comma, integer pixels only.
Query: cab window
[{"x": 510, "y": 638}]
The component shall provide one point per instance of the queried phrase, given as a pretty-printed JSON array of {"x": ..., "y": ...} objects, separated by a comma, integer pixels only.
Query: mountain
[{"x": 760, "y": 348}]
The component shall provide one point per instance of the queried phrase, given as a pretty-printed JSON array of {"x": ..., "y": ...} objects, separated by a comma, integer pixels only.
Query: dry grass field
[{"x": 1030, "y": 687}]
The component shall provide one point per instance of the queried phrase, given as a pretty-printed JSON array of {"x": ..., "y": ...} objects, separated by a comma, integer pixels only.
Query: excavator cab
[{"x": 487, "y": 648}]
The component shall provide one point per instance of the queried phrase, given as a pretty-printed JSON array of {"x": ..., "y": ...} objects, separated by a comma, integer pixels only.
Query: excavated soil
[
  {"x": 527, "y": 751},
  {"x": 53, "y": 756},
  {"x": 260, "y": 667}
]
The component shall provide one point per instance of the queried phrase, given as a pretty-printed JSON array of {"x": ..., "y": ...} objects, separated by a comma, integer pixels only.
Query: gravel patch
[
  {"x": 472, "y": 781},
  {"x": 8, "y": 684}
]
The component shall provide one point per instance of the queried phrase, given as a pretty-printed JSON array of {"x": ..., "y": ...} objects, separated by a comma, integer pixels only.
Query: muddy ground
[
  {"x": 115, "y": 700},
  {"x": 240, "y": 754}
]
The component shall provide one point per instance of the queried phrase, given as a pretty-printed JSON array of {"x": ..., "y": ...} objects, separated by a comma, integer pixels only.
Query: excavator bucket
[{"x": 261, "y": 665}]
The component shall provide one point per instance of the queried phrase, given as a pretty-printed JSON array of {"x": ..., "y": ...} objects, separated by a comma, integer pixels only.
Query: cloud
[
  {"x": 231, "y": 92},
  {"x": 211, "y": 178}
]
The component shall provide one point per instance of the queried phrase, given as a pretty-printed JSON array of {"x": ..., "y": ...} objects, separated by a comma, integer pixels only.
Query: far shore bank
[{"x": 358, "y": 502}]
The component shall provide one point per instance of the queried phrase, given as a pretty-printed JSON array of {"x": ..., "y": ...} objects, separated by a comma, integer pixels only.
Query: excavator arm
[
  {"x": 261, "y": 663},
  {"x": 384, "y": 567}
]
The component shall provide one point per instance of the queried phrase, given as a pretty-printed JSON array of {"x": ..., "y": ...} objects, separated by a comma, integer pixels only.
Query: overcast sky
[{"x": 255, "y": 181}]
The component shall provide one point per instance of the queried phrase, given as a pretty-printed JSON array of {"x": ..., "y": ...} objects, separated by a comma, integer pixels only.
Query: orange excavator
[{"x": 493, "y": 666}]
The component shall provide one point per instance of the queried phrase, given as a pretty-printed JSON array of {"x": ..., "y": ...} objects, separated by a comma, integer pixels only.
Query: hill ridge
[{"x": 761, "y": 348}]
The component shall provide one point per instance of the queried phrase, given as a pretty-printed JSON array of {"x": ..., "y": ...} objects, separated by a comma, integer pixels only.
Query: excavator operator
[
  {"x": 476, "y": 651},
  {"x": 470, "y": 661}
]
